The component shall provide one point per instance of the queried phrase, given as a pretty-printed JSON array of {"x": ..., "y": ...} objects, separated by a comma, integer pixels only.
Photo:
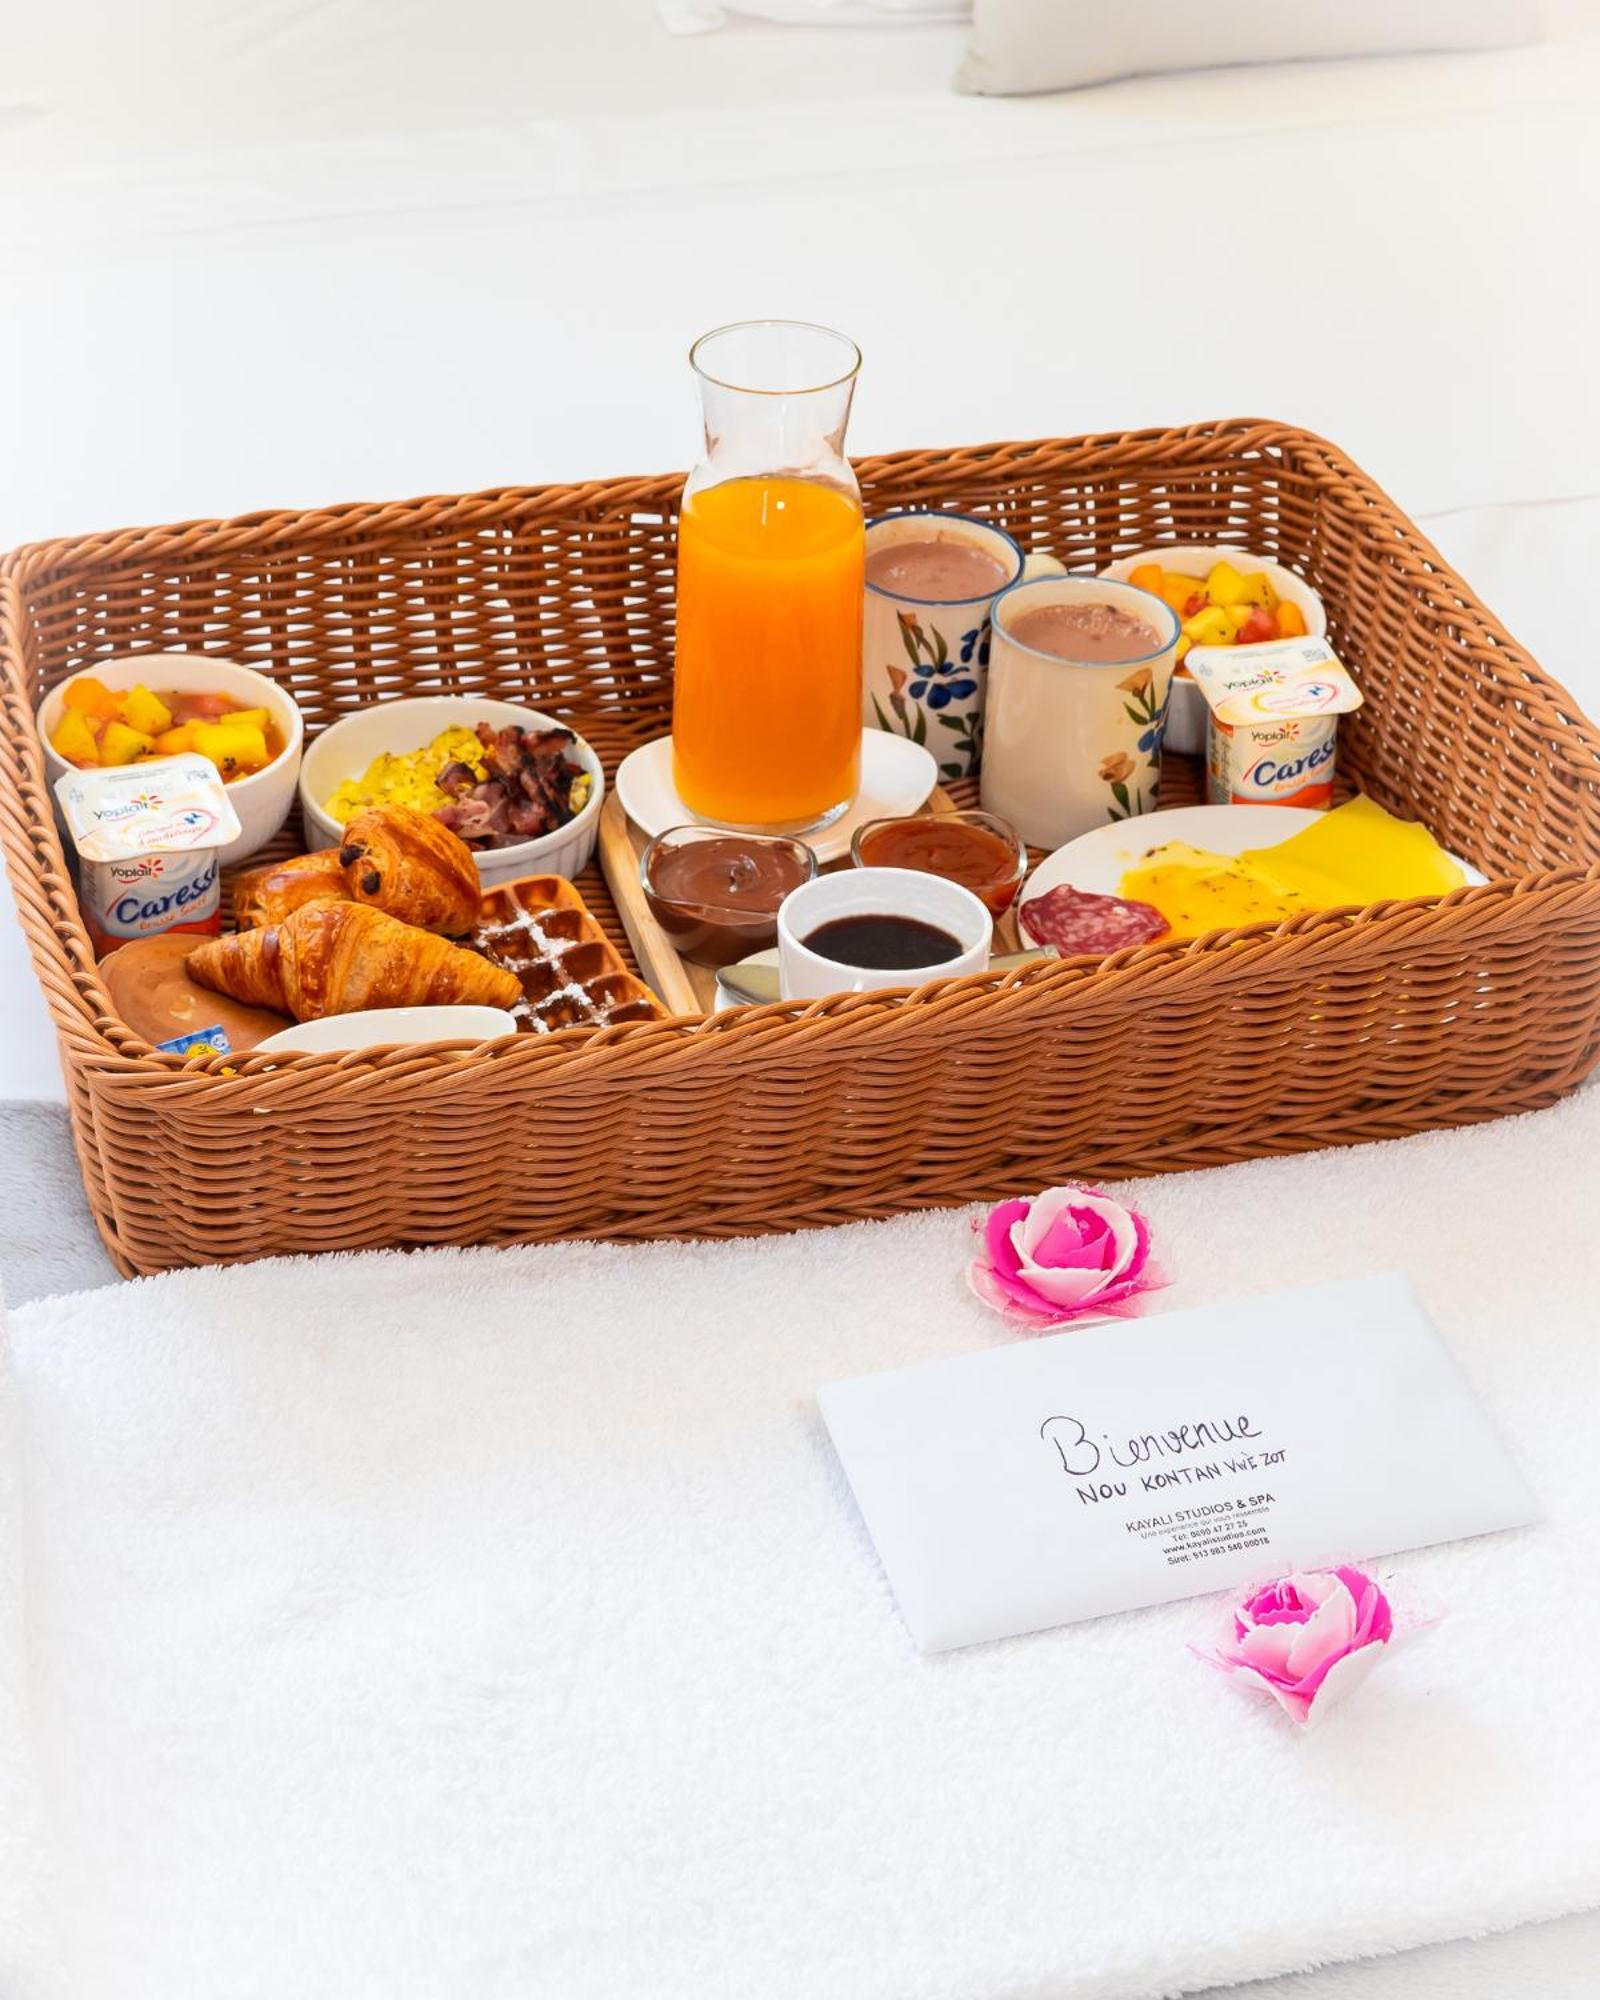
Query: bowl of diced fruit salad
[
  {"x": 141, "y": 707},
  {"x": 1223, "y": 597}
]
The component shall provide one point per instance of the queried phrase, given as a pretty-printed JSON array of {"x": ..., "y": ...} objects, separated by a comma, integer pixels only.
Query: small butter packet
[{"x": 213, "y": 1039}]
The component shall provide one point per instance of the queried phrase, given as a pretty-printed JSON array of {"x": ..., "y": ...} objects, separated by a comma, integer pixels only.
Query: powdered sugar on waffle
[{"x": 571, "y": 976}]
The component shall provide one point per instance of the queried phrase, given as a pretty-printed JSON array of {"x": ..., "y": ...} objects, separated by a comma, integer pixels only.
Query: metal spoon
[{"x": 755, "y": 985}]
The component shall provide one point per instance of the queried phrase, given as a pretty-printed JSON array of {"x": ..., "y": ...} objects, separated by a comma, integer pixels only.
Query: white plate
[
  {"x": 896, "y": 777},
  {"x": 1097, "y": 861},
  {"x": 378, "y": 1027}
]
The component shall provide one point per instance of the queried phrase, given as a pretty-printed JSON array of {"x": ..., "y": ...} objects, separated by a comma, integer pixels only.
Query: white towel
[{"x": 485, "y": 1625}]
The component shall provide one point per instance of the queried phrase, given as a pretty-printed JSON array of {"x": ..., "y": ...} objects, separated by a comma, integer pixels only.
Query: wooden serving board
[{"x": 688, "y": 988}]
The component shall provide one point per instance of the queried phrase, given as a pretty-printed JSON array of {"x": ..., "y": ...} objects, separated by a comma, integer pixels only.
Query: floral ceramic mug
[
  {"x": 925, "y": 657},
  {"x": 1072, "y": 744}
]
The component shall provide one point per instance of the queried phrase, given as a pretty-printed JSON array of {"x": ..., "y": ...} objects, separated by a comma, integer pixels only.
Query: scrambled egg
[
  {"x": 407, "y": 779},
  {"x": 1199, "y": 892},
  {"x": 1354, "y": 855}
]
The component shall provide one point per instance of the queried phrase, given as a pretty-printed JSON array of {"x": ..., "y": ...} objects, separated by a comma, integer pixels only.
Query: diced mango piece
[
  {"x": 1148, "y": 576},
  {"x": 1237, "y": 614},
  {"x": 145, "y": 711},
  {"x": 1226, "y": 585},
  {"x": 236, "y": 749},
  {"x": 175, "y": 742},
  {"x": 1290, "y": 620},
  {"x": 121, "y": 745},
  {"x": 92, "y": 697},
  {"x": 256, "y": 718},
  {"x": 1209, "y": 627},
  {"x": 74, "y": 739},
  {"x": 1176, "y": 590}
]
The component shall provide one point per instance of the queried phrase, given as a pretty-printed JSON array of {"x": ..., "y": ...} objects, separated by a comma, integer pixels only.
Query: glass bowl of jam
[
  {"x": 716, "y": 894},
  {"x": 981, "y": 851}
]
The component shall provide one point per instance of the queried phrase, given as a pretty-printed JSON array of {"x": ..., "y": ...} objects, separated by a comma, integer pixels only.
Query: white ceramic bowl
[
  {"x": 262, "y": 801},
  {"x": 377, "y": 1027},
  {"x": 347, "y": 747},
  {"x": 1186, "y": 710}
]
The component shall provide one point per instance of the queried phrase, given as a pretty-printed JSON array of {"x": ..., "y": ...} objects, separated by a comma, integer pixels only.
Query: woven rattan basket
[{"x": 1336, "y": 1028}]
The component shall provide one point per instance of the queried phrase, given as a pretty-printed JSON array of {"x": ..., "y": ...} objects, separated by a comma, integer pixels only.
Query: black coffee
[{"x": 885, "y": 944}]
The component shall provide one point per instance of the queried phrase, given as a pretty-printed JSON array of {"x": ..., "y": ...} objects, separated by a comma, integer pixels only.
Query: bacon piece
[
  {"x": 526, "y": 790},
  {"x": 456, "y": 779}
]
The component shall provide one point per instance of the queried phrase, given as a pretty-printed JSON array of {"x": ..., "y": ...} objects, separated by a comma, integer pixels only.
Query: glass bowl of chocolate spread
[{"x": 715, "y": 894}]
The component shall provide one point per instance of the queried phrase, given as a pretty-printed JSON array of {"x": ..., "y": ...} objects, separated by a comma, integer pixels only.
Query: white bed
[{"x": 294, "y": 254}]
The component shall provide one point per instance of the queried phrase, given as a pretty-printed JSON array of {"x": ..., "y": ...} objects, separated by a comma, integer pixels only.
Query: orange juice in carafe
[
  {"x": 766, "y": 716},
  {"x": 766, "y": 708}
]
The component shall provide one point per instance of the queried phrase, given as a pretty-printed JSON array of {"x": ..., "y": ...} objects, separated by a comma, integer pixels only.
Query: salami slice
[{"x": 1082, "y": 925}]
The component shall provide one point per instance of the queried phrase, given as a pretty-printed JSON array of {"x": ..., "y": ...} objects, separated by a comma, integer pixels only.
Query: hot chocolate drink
[
  {"x": 1094, "y": 633},
  {"x": 942, "y": 569}
]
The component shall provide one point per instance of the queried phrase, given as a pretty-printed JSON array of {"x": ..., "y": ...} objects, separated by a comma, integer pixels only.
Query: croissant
[
  {"x": 337, "y": 958},
  {"x": 411, "y": 865},
  {"x": 267, "y": 895}
]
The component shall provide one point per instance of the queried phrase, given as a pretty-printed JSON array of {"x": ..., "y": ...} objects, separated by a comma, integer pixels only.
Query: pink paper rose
[
  {"x": 1309, "y": 1639},
  {"x": 1069, "y": 1253}
]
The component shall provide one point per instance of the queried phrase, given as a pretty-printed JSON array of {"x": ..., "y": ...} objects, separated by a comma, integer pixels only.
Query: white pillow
[
  {"x": 1029, "y": 45},
  {"x": 694, "y": 17}
]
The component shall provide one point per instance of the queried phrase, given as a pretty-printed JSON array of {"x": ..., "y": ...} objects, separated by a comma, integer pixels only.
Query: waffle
[{"x": 572, "y": 975}]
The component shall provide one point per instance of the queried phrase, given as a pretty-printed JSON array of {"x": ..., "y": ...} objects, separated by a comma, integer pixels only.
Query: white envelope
[{"x": 1137, "y": 1461}]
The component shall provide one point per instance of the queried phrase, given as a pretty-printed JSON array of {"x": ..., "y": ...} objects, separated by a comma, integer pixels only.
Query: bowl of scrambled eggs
[{"x": 397, "y": 752}]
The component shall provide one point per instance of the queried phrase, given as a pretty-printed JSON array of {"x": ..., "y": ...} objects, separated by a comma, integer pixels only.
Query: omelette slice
[{"x": 1197, "y": 891}]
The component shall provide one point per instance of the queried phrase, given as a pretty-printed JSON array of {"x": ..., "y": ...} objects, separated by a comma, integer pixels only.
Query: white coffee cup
[{"x": 804, "y": 974}]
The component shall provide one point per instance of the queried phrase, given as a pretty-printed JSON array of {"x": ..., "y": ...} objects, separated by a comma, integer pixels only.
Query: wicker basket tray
[{"x": 1336, "y": 1028}]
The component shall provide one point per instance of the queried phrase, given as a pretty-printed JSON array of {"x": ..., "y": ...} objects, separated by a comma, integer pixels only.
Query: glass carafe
[{"x": 766, "y": 709}]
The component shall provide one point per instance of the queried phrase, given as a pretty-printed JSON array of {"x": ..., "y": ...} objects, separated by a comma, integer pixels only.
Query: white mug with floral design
[
  {"x": 1071, "y": 744},
  {"x": 925, "y": 660}
]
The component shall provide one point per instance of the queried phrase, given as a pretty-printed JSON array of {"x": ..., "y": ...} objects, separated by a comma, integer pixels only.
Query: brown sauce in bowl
[{"x": 979, "y": 857}]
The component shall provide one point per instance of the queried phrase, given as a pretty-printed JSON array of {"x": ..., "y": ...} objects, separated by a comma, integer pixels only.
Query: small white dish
[
  {"x": 1186, "y": 706},
  {"x": 348, "y": 746},
  {"x": 262, "y": 801},
  {"x": 1097, "y": 861},
  {"x": 896, "y": 777},
  {"x": 379, "y": 1027}
]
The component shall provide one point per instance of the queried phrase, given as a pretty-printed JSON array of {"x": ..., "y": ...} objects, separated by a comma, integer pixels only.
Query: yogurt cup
[{"x": 150, "y": 839}]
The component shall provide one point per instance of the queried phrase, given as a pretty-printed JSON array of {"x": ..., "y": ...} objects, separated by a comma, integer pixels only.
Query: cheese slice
[{"x": 1358, "y": 853}]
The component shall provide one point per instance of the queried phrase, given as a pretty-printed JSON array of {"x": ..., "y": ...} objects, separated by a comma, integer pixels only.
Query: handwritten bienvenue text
[{"x": 1083, "y": 1459}]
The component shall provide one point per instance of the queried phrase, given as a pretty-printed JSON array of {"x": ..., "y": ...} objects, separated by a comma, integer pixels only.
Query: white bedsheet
[{"x": 445, "y": 254}]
